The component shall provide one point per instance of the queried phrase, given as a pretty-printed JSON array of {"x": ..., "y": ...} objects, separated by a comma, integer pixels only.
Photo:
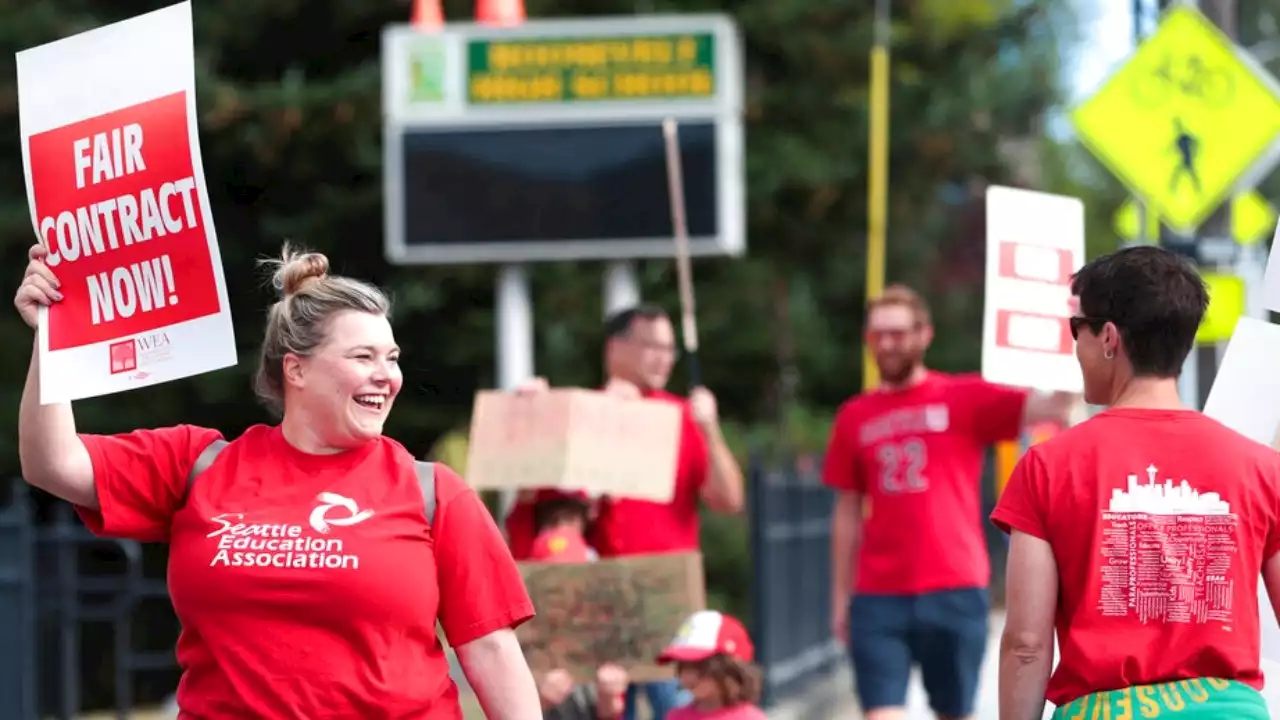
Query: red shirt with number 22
[{"x": 917, "y": 454}]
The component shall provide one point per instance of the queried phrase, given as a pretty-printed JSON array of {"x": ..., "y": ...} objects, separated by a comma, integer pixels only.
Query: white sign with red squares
[{"x": 1035, "y": 242}]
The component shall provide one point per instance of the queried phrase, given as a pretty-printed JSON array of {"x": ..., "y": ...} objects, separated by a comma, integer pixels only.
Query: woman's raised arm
[{"x": 53, "y": 458}]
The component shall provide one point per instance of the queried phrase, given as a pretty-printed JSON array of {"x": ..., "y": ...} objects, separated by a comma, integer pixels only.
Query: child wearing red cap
[{"x": 713, "y": 655}]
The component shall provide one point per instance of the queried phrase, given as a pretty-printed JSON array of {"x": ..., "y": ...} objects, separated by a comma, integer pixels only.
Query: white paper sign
[
  {"x": 116, "y": 189},
  {"x": 1246, "y": 389},
  {"x": 1246, "y": 398},
  {"x": 1035, "y": 242},
  {"x": 1271, "y": 280}
]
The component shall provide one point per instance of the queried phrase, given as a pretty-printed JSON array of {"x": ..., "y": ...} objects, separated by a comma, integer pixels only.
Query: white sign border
[{"x": 90, "y": 74}]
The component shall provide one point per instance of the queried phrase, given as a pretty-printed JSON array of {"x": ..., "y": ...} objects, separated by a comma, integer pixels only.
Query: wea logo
[{"x": 320, "y": 520}]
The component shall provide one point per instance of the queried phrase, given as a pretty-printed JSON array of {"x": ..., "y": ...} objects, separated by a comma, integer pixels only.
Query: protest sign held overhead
[
  {"x": 1035, "y": 242},
  {"x": 117, "y": 194},
  {"x": 574, "y": 439}
]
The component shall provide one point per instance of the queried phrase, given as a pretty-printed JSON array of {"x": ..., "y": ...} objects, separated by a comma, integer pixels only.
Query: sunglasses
[
  {"x": 1080, "y": 321},
  {"x": 893, "y": 332}
]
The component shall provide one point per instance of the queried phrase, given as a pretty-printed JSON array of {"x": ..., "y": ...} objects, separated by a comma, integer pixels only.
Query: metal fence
[
  {"x": 790, "y": 512},
  {"x": 66, "y": 604}
]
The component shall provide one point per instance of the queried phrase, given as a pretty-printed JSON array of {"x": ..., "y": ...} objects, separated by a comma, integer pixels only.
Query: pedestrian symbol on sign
[
  {"x": 1186, "y": 119},
  {"x": 1187, "y": 147}
]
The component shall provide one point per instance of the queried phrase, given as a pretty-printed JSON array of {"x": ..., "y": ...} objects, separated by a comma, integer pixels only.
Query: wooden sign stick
[{"x": 684, "y": 266}]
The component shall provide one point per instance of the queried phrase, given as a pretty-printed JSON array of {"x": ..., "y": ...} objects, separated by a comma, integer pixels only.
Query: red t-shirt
[
  {"x": 1160, "y": 522},
  {"x": 635, "y": 527},
  {"x": 309, "y": 586},
  {"x": 918, "y": 454},
  {"x": 521, "y": 530}
]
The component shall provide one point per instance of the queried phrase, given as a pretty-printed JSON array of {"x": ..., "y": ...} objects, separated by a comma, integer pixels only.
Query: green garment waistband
[{"x": 1196, "y": 699}]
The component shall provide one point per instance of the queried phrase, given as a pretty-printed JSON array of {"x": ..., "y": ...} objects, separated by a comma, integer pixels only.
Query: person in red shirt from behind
[
  {"x": 303, "y": 565},
  {"x": 1140, "y": 533},
  {"x": 917, "y": 565},
  {"x": 640, "y": 351}
]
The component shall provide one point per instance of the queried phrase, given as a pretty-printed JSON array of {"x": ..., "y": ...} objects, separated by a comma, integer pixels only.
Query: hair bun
[{"x": 297, "y": 268}]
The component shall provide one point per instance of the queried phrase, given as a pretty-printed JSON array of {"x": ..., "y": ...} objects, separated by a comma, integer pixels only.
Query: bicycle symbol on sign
[{"x": 1189, "y": 77}]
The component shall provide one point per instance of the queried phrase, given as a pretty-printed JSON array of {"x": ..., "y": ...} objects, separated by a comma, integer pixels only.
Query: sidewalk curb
[{"x": 829, "y": 697}]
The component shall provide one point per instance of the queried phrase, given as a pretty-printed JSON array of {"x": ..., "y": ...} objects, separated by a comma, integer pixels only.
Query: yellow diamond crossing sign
[
  {"x": 1226, "y": 305},
  {"x": 1183, "y": 119},
  {"x": 1253, "y": 219}
]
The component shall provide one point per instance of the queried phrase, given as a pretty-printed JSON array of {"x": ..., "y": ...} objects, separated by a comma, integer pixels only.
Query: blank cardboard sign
[{"x": 575, "y": 439}]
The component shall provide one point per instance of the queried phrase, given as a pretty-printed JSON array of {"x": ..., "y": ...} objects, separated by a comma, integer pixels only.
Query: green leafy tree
[{"x": 290, "y": 128}]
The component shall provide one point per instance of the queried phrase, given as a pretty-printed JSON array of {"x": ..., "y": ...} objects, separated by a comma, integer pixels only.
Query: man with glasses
[
  {"x": 639, "y": 353},
  {"x": 907, "y": 539}
]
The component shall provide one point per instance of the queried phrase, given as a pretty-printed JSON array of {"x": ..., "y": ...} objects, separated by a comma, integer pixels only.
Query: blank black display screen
[{"x": 548, "y": 184}]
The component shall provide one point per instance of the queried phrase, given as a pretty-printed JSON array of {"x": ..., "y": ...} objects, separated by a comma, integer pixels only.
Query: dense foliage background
[
  {"x": 289, "y": 100},
  {"x": 290, "y": 130}
]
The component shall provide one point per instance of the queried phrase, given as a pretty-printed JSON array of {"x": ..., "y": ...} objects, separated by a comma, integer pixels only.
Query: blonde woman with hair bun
[{"x": 309, "y": 560}]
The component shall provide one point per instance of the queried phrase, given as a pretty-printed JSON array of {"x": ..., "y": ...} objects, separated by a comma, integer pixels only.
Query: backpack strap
[
  {"x": 426, "y": 477},
  {"x": 202, "y": 463},
  {"x": 427, "y": 485}
]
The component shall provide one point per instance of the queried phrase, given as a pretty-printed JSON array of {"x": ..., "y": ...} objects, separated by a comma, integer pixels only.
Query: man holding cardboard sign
[{"x": 640, "y": 351}]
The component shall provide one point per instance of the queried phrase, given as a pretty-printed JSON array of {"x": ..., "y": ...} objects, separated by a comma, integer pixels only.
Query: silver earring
[{"x": 1109, "y": 355}]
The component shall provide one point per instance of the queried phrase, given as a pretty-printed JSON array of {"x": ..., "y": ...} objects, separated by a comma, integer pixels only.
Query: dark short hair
[
  {"x": 550, "y": 513},
  {"x": 1154, "y": 297},
  {"x": 618, "y": 325}
]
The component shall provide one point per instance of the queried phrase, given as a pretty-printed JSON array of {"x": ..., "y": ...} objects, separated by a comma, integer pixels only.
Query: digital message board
[{"x": 544, "y": 141}]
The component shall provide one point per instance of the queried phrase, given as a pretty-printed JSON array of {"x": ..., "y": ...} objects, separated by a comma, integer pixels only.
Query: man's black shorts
[{"x": 945, "y": 633}]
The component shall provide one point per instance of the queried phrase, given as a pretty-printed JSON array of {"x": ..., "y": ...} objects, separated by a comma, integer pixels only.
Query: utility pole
[{"x": 877, "y": 176}]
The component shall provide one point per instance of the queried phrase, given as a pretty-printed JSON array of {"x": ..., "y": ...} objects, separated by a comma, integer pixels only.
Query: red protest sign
[{"x": 117, "y": 204}]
